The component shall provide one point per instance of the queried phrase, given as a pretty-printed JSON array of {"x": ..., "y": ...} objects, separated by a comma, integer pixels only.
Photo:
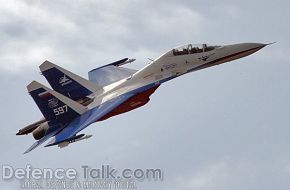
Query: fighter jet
[{"x": 74, "y": 102}]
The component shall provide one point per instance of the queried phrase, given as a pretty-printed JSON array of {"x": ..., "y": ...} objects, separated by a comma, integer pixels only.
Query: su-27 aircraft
[{"x": 75, "y": 102}]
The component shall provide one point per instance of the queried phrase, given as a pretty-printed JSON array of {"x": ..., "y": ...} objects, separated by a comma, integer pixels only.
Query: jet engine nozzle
[{"x": 40, "y": 131}]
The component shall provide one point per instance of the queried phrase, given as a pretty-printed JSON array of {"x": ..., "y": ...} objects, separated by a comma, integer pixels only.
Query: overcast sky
[{"x": 222, "y": 128}]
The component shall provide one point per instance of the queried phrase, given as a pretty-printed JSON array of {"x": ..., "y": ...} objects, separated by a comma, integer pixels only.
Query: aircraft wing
[
  {"x": 88, "y": 118},
  {"x": 105, "y": 75}
]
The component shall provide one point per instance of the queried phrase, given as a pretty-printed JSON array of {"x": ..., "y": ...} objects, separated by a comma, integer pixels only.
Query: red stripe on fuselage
[
  {"x": 132, "y": 103},
  {"x": 216, "y": 61}
]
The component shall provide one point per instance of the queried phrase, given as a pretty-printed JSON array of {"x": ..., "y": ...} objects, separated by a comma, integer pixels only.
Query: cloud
[
  {"x": 209, "y": 177},
  {"x": 33, "y": 32}
]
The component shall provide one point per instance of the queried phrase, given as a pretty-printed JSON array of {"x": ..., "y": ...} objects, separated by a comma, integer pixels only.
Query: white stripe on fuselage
[{"x": 164, "y": 67}]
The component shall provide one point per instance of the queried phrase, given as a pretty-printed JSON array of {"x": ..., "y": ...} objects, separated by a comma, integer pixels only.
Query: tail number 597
[{"x": 60, "y": 110}]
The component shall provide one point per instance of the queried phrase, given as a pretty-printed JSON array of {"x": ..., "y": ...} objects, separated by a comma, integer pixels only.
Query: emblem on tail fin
[
  {"x": 64, "y": 80},
  {"x": 52, "y": 103}
]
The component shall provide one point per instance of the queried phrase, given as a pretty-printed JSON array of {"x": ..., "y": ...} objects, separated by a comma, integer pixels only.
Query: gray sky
[{"x": 226, "y": 127}]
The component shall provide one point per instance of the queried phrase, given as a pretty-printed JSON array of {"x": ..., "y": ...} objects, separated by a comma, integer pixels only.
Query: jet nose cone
[
  {"x": 258, "y": 46},
  {"x": 236, "y": 51},
  {"x": 250, "y": 48},
  {"x": 245, "y": 47},
  {"x": 253, "y": 45},
  {"x": 269, "y": 44}
]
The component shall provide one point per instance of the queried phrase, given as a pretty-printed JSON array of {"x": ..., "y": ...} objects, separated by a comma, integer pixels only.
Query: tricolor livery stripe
[
  {"x": 214, "y": 62},
  {"x": 44, "y": 94}
]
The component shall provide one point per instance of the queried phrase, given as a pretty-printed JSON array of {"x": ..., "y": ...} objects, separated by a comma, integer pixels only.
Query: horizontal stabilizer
[{"x": 42, "y": 140}]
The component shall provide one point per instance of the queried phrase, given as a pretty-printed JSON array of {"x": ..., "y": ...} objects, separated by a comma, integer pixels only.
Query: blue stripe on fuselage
[{"x": 92, "y": 115}]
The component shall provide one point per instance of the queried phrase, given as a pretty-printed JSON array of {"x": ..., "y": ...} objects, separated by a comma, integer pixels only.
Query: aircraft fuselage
[{"x": 172, "y": 64}]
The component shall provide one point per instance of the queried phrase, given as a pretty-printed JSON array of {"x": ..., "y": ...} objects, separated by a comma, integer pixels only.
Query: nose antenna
[{"x": 270, "y": 43}]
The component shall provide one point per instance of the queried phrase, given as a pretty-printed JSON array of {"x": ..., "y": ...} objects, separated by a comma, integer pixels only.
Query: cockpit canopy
[{"x": 192, "y": 49}]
